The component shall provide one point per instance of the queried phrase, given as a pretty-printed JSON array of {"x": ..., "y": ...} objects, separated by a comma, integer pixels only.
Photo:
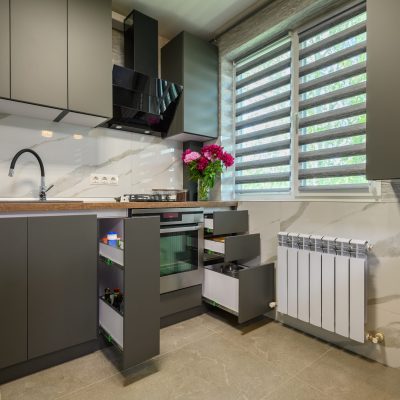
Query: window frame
[{"x": 373, "y": 193}]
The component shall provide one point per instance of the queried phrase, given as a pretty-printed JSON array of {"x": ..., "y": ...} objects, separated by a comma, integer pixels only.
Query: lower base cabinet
[
  {"x": 62, "y": 282},
  {"x": 13, "y": 291},
  {"x": 48, "y": 285},
  {"x": 246, "y": 292}
]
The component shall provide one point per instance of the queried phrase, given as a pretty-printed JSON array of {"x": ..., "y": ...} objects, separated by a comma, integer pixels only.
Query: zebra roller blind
[
  {"x": 263, "y": 120},
  {"x": 332, "y": 103}
]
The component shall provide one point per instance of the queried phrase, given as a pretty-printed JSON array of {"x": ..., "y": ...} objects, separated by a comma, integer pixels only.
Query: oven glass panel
[{"x": 178, "y": 252}]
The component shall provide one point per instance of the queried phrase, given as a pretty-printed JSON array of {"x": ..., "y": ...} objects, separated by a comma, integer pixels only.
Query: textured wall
[
  {"x": 376, "y": 222},
  {"x": 142, "y": 162}
]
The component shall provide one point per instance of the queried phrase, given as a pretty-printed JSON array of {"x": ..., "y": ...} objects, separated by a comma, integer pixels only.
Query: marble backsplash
[
  {"x": 379, "y": 223},
  {"x": 71, "y": 153}
]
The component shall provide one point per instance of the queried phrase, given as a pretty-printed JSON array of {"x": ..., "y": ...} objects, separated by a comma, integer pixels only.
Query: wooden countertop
[{"x": 10, "y": 206}]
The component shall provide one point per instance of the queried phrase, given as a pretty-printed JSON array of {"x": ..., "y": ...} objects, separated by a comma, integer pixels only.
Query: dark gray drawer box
[
  {"x": 227, "y": 222},
  {"x": 234, "y": 248}
]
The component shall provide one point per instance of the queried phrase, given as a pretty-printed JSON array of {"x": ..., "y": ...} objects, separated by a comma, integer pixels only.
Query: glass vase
[{"x": 203, "y": 190}]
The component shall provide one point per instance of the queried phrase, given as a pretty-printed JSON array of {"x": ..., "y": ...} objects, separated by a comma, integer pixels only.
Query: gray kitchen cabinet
[
  {"x": 13, "y": 291},
  {"x": 4, "y": 48},
  {"x": 62, "y": 282},
  {"x": 39, "y": 51},
  {"x": 89, "y": 57},
  {"x": 193, "y": 63},
  {"x": 383, "y": 87}
]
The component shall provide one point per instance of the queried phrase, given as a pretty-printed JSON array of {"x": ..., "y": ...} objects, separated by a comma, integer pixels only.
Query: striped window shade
[
  {"x": 332, "y": 103},
  {"x": 263, "y": 122}
]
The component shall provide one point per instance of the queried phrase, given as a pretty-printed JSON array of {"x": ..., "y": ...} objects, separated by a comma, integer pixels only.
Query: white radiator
[{"x": 321, "y": 280}]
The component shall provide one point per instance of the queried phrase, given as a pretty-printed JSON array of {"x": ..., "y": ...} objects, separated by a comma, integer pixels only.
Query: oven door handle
[{"x": 185, "y": 229}]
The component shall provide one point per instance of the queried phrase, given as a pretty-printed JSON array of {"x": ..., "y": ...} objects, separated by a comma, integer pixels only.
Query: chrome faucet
[{"x": 43, "y": 189}]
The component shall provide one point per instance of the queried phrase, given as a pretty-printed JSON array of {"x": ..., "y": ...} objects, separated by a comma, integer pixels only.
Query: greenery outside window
[{"x": 301, "y": 111}]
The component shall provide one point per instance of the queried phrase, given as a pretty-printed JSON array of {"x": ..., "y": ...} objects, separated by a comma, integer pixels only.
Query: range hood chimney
[{"x": 141, "y": 101}]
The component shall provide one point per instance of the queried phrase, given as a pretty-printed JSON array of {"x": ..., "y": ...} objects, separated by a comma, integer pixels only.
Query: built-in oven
[{"x": 181, "y": 246}]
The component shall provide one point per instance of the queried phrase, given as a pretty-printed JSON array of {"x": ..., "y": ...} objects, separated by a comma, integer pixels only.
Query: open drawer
[
  {"x": 135, "y": 271},
  {"x": 240, "y": 247},
  {"x": 246, "y": 292},
  {"x": 227, "y": 222}
]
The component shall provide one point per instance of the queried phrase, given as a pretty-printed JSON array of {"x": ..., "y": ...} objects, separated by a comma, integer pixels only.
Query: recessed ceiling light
[
  {"x": 47, "y": 134},
  {"x": 146, "y": 131},
  {"x": 77, "y": 136},
  {"x": 118, "y": 127}
]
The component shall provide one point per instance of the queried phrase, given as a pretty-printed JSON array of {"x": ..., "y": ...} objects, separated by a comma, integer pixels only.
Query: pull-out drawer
[
  {"x": 240, "y": 247},
  {"x": 245, "y": 293},
  {"x": 227, "y": 222}
]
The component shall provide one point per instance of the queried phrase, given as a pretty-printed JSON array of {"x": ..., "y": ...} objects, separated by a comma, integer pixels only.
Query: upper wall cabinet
[
  {"x": 193, "y": 63},
  {"x": 383, "y": 88},
  {"x": 89, "y": 57},
  {"x": 55, "y": 55},
  {"x": 39, "y": 51},
  {"x": 4, "y": 48}
]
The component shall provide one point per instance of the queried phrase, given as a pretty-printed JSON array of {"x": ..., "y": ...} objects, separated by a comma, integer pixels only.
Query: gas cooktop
[{"x": 147, "y": 197}]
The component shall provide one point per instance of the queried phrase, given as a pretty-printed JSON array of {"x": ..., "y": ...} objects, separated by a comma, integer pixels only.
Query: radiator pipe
[{"x": 375, "y": 337}]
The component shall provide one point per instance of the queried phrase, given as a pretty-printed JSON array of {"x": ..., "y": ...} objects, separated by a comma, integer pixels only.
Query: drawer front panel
[
  {"x": 242, "y": 247},
  {"x": 180, "y": 300},
  {"x": 229, "y": 222}
]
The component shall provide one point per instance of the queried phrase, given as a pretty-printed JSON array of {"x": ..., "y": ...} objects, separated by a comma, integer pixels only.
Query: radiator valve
[{"x": 375, "y": 338}]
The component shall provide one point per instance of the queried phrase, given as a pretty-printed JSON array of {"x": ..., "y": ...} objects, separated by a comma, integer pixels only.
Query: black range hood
[{"x": 141, "y": 101}]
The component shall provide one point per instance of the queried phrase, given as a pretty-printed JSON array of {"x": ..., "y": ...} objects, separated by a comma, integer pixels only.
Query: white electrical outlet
[{"x": 103, "y": 179}]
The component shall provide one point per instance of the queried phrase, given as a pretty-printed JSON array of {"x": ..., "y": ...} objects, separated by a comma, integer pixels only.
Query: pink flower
[
  {"x": 192, "y": 156},
  {"x": 185, "y": 153},
  {"x": 212, "y": 152},
  {"x": 227, "y": 159},
  {"x": 202, "y": 164}
]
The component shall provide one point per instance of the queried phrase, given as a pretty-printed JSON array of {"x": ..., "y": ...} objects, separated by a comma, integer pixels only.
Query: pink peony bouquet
[{"x": 206, "y": 166}]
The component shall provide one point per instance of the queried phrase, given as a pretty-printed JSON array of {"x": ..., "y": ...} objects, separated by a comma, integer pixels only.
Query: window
[
  {"x": 263, "y": 109},
  {"x": 301, "y": 110}
]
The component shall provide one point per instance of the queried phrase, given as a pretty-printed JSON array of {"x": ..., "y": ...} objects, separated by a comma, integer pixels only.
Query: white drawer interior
[
  {"x": 209, "y": 223},
  {"x": 112, "y": 322},
  {"x": 214, "y": 245},
  {"x": 114, "y": 254},
  {"x": 222, "y": 289}
]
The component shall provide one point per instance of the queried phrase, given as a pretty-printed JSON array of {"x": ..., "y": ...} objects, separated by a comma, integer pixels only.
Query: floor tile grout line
[{"x": 159, "y": 357}]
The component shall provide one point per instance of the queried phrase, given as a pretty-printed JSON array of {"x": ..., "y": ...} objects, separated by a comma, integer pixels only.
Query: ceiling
[{"x": 204, "y": 18}]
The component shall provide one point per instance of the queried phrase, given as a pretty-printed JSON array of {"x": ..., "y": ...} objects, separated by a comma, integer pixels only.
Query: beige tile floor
[{"x": 210, "y": 357}]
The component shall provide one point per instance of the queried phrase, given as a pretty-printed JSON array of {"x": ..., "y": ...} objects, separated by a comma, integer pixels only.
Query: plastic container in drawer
[
  {"x": 227, "y": 222},
  {"x": 115, "y": 254},
  {"x": 112, "y": 322}
]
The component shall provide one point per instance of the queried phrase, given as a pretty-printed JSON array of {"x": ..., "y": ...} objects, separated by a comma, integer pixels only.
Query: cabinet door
[
  {"x": 39, "y": 51},
  {"x": 13, "y": 291},
  {"x": 200, "y": 87},
  {"x": 89, "y": 57},
  {"x": 383, "y": 87},
  {"x": 4, "y": 48},
  {"x": 62, "y": 282}
]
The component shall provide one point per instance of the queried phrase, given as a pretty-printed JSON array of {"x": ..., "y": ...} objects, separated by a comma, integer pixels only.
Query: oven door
[{"x": 181, "y": 257}]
